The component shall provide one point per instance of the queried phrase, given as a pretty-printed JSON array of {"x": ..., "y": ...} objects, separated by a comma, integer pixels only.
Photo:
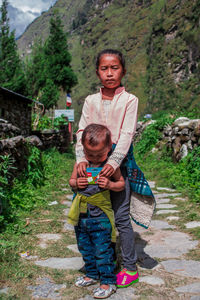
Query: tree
[
  {"x": 58, "y": 57},
  {"x": 12, "y": 74},
  {"x": 48, "y": 70},
  {"x": 49, "y": 94},
  {"x": 36, "y": 74}
]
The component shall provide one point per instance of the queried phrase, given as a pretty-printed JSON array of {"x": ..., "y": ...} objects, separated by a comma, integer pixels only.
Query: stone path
[{"x": 165, "y": 271}]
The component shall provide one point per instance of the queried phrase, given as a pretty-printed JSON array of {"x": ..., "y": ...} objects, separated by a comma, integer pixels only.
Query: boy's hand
[
  {"x": 104, "y": 183},
  {"x": 81, "y": 169},
  {"x": 82, "y": 182},
  {"x": 107, "y": 171}
]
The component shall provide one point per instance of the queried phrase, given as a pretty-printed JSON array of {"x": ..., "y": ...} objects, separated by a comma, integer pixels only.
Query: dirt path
[{"x": 168, "y": 258}]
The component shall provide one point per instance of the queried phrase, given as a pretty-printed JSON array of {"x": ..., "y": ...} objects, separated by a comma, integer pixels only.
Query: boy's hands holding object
[
  {"x": 82, "y": 182},
  {"x": 104, "y": 183},
  {"x": 107, "y": 171}
]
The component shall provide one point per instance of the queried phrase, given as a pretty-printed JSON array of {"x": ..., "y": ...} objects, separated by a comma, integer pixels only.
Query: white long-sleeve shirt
[{"x": 121, "y": 119}]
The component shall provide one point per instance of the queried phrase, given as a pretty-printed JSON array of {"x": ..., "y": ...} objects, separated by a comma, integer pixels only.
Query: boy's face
[{"x": 96, "y": 154}]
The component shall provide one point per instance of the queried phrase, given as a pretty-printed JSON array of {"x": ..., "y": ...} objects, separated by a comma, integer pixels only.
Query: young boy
[{"x": 91, "y": 212}]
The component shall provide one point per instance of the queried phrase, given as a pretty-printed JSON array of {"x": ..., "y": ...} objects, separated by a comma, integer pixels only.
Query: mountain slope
[{"x": 160, "y": 40}]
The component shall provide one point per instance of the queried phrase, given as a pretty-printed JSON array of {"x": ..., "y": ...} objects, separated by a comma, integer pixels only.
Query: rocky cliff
[{"x": 160, "y": 39}]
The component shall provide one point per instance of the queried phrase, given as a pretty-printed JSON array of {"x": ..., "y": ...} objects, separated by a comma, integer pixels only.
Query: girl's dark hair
[
  {"x": 95, "y": 134},
  {"x": 111, "y": 51}
]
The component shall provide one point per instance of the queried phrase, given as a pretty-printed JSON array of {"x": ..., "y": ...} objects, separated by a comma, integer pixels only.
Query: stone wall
[
  {"x": 60, "y": 139},
  {"x": 15, "y": 144},
  {"x": 181, "y": 137},
  {"x": 16, "y": 109}
]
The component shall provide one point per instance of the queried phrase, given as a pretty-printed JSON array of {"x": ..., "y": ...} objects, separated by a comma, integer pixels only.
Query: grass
[{"x": 18, "y": 273}]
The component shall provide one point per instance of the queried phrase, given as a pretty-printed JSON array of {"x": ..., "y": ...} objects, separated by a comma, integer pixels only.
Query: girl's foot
[
  {"x": 126, "y": 278},
  {"x": 104, "y": 291},
  {"x": 84, "y": 281}
]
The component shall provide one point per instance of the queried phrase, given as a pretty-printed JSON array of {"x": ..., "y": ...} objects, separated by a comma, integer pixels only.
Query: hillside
[{"x": 159, "y": 38}]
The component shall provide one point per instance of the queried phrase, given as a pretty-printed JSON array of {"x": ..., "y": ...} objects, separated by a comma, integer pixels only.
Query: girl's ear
[
  {"x": 97, "y": 72},
  {"x": 124, "y": 72}
]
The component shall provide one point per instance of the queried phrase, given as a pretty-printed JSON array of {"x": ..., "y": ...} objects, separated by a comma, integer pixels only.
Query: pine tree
[
  {"x": 58, "y": 57},
  {"x": 35, "y": 69},
  {"x": 11, "y": 75}
]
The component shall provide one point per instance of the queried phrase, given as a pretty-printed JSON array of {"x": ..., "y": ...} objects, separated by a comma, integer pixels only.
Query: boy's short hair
[{"x": 95, "y": 134}]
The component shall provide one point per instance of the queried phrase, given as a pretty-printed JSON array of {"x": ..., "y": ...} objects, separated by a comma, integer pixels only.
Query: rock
[
  {"x": 192, "y": 224},
  {"x": 166, "y": 211},
  {"x": 183, "y": 152},
  {"x": 53, "y": 203},
  {"x": 188, "y": 268},
  {"x": 197, "y": 129},
  {"x": 165, "y": 189},
  {"x": 180, "y": 121},
  {"x": 195, "y": 298},
  {"x": 173, "y": 218},
  {"x": 67, "y": 226},
  {"x": 161, "y": 224},
  {"x": 181, "y": 199},
  {"x": 164, "y": 200},
  {"x": 163, "y": 205},
  {"x": 4, "y": 291},
  {"x": 71, "y": 263},
  {"x": 185, "y": 131},
  {"x": 73, "y": 248},
  {"x": 152, "y": 280},
  {"x": 66, "y": 211},
  {"x": 166, "y": 195},
  {"x": 34, "y": 140},
  {"x": 70, "y": 197},
  {"x": 169, "y": 244},
  {"x": 65, "y": 202},
  {"x": 45, "y": 237},
  {"x": 193, "y": 288},
  {"x": 46, "y": 289}
]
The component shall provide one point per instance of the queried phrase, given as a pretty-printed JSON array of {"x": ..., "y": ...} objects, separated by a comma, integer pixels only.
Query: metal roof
[{"x": 18, "y": 95}]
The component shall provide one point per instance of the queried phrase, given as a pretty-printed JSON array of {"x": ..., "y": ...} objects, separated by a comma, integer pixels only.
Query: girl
[{"x": 116, "y": 109}]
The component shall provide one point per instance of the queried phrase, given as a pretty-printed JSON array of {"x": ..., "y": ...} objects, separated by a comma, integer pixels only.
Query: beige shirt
[{"x": 121, "y": 120}]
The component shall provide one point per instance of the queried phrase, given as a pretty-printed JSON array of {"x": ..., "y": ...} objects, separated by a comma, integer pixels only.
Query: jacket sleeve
[
  {"x": 127, "y": 132},
  {"x": 84, "y": 121}
]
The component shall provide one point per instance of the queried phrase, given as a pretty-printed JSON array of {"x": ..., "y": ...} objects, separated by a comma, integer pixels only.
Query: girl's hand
[
  {"x": 107, "y": 171},
  {"x": 104, "y": 183},
  {"x": 81, "y": 169},
  {"x": 82, "y": 182}
]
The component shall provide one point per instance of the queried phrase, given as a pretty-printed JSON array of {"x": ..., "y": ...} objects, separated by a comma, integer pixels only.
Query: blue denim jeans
[{"x": 94, "y": 243}]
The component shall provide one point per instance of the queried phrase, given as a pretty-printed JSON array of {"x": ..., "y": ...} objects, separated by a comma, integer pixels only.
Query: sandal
[
  {"x": 100, "y": 293},
  {"x": 81, "y": 282}
]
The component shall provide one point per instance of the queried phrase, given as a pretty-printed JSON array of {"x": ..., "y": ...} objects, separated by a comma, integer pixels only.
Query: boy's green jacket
[{"x": 102, "y": 200}]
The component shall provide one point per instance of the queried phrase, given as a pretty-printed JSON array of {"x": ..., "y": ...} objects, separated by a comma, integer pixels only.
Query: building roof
[{"x": 19, "y": 96}]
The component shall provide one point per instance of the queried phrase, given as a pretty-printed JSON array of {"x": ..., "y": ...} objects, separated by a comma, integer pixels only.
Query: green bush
[
  {"x": 153, "y": 133},
  {"x": 46, "y": 122},
  {"x": 184, "y": 176}
]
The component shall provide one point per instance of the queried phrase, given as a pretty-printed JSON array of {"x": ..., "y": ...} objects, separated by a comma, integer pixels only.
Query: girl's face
[{"x": 110, "y": 71}]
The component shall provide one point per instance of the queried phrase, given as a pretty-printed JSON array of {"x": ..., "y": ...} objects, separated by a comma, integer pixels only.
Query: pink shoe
[{"x": 126, "y": 278}]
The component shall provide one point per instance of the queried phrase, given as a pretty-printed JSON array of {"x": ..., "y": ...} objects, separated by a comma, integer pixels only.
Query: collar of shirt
[{"x": 119, "y": 90}]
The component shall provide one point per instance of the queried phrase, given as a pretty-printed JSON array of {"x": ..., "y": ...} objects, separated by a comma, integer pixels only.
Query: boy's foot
[
  {"x": 101, "y": 293},
  {"x": 84, "y": 281},
  {"x": 126, "y": 278}
]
